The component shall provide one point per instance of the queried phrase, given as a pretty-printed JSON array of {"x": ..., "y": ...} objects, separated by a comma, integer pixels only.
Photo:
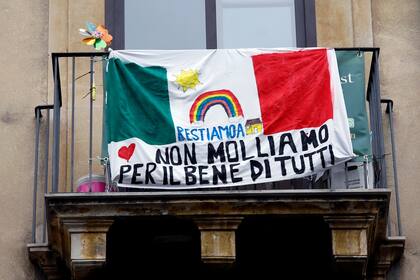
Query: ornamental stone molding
[{"x": 78, "y": 225}]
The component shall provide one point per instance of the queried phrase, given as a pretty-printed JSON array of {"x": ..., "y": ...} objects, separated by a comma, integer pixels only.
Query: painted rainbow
[{"x": 222, "y": 97}]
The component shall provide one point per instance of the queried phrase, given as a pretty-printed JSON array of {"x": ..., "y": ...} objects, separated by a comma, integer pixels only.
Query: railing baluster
[
  {"x": 47, "y": 146},
  {"x": 376, "y": 121},
  {"x": 389, "y": 111},
  {"x": 394, "y": 163},
  {"x": 73, "y": 91},
  {"x": 35, "y": 189},
  {"x": 47, "y": 149},
  {"x": 346, "y": 175},
  {"x": 90, "y": 122},
  {"x": 56, "y": 126},
  {"x": 365, "y": 171}
]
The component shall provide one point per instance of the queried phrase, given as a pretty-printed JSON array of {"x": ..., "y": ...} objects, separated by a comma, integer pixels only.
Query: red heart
[{"x": 126, "y": 152}]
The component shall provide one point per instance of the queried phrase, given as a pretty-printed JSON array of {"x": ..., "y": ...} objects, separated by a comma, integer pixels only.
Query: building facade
[{"x": 351, "y": 228}]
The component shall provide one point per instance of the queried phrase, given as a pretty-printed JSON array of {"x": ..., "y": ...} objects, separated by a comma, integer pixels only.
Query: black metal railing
[
  {"x": 389, "y": 111},
  {"x": 51, "y": 155},
  {"x": 57, "y": 106},
  {"x": 38, "y": 116}
]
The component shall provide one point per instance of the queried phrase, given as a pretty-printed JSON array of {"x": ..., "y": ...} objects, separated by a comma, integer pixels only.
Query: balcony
[{"x": 338, "y": 226}]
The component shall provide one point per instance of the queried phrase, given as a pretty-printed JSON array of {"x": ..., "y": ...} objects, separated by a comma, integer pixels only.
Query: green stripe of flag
[{"x": 138, "y": 103}]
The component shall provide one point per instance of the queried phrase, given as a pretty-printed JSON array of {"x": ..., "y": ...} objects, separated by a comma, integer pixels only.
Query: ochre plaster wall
[
  {"x": 23, "y": 85},
  {"x": 396, "y": 31},
  {"x": 344, "y": 23},
  {"x": 30, "y": 31}
]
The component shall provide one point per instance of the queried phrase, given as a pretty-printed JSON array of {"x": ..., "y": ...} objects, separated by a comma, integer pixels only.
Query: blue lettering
[
  {"x": 215, "y": 134},
  {"x": 201, "y": 133},
  {"x": 187, "y": 134},
  {"x": 232, "y": 131},
  {"x": 240, "y": 132},
  {"x": 194, "y": 134},
  {"x": 208, "y": 134},
  {"x": 180, "y": 136},
  {"x": 221, "y": 129}
]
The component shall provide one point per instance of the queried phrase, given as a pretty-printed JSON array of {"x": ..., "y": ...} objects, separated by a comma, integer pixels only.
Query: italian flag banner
[{"x": 217, "y": 118}]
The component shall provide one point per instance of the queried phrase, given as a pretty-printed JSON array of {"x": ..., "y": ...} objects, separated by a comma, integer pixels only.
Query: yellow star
[{"x": 187, "y": 79}]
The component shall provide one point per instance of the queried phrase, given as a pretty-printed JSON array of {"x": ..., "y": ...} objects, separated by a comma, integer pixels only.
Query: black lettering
[
  {"x": 177, "y": 156},
  {"x": 165, "y": 175},
  {"x": 256, "y": 169},
  {"x": 311, "y": 163},
  {"x": 213, "y": 154},
  {"x": 321, "y": 155},
  {"x": 332, "y": 158},
  {"x": 123, "y": 169},
  {"x": 202, "y": 173},
  {"x": 323, "y": 134},
  {"x": 234, "y": 170},
  {"x": 231, "y": 158},
  {"x": 243, "y": 151},
  {"x": 190, "y": 155},
  {"x": 286, "y": 139},
  {"x": 282, "y": 164},
  {"x": 271, "y": 144},
  {"x": 171, "y": 177},
  {"x": 190, "y": 178},
  {"x": 149, "y": 172},
  {"x": 308, "y": 139},
  {"x": 159, "y": 158},
  {"x": 136, "y": 173},
  {"x": 219, "y": 175},
  {"x": 302, "y": 165},
  {"x": 267, "y": 169},
  {"x": 259, "y": 153}
]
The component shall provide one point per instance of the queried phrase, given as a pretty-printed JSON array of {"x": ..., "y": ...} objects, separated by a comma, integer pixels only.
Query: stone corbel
[
  {"x": 47, "y": 260},
  {"x": 218, "y": 239},
  {"x": 350, "y": 244},
  {"x": 85, "y": 246},
  {"x": 388, "y": 252}
]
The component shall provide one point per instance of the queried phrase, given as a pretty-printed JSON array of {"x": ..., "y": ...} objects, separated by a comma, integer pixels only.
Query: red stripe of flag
[{"x": 294, "y": 89}]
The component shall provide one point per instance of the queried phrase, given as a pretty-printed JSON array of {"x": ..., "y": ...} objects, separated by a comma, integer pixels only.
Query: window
[
  {"x": 198, "y": 24},
  {"x": 164, "y": 24},
  {"x": 255, "y": 23}
]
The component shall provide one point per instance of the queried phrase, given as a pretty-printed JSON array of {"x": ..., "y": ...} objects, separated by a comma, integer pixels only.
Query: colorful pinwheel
[{"x": 98, "y": 36}]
